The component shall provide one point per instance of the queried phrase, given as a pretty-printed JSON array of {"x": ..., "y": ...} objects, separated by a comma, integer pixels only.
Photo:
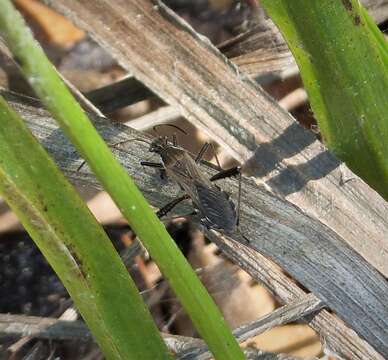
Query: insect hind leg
[
  {"x": 227, "y": 173},
  {"x": 152, "y": 164},
  {"x": 204, "y": 148},
  {"x": 168, "y": 207},
  {"x": 160, "y": 166}
]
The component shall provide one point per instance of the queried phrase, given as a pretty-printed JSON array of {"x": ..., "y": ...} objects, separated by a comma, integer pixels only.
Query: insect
[{"x": 214, "y": 206}]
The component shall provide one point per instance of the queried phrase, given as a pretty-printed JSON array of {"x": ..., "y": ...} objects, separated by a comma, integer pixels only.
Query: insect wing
[
  {"x": 182, "y": 169},
  {"x": 217, "y": 209}
]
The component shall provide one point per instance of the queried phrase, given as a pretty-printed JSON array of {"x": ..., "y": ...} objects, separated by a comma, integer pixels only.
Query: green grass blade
[
  {"x": 194, "y": 298},
  {"x": 75, "y": 245},
  {"x": 378, "y": 35},
  {"x": 343, "y": 60}
]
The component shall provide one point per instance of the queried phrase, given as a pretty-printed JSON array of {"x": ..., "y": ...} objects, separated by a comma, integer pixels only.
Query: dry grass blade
[
  {"x": 327, "y": 325},
  {"x": 56, "y": 329},
  {"x": 260, "y": 50},
  {"x": 186, "y": 71},
  {"x": 118, "y": 95},
  {"x": 302, "y": 245},
  {"x": 286, "y": 314},
  {"x": 74, "y": 122}
]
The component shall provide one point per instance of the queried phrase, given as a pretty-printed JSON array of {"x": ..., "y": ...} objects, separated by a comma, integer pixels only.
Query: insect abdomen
[{"x": 216, "y": 208}]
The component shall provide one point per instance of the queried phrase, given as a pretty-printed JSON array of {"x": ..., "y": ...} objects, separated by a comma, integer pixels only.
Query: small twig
[
  {"x": 54, "y": 329},
  {"x": 286, "y": 314},
  {"x": 14, "y": 68},
  {"x": 86, "y": 104},
  {"x": 70, "y": 315},
  {"x": 43, "y": 328}
]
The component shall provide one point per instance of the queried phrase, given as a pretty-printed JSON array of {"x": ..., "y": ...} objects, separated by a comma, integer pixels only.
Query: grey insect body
[{"x": 216, "y": 209}]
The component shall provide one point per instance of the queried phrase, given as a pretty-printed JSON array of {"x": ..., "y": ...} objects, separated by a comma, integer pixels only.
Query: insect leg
[
  {"x": 152, "y": 164},
  {"x": 81, "y": 166},
  {"x": 155, "y": 165},
  {"x": 113, "y": 146},
  {"x": 202, "y": 152},
  {"x": 167, "y": 208},
  {"x": 236, "y": 170},
  {"x": 186, "y": 217},
  {"x": 215, "y": 155}
]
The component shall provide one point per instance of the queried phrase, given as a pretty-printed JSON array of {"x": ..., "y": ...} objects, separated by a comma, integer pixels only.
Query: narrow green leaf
[
  {"x": 194, "y": 298},
  {"x": 75, "y": 245},
  {"x": 343, "y": 60}
]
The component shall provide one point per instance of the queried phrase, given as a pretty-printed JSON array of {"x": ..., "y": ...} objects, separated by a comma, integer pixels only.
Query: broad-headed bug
[{"x": 214, "y": 206}]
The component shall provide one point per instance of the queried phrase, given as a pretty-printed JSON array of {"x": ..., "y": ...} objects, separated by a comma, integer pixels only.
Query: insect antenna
[
  {"x": 128, "y": 140},
  {"x": 171, "y": 125},
  {"x": 113, "y": 146}
]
